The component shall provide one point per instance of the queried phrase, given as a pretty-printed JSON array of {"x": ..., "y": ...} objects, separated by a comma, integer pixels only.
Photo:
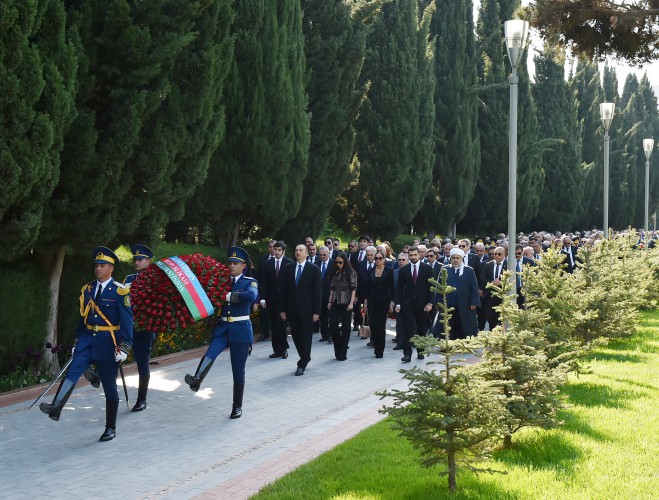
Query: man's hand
[
  {"x": 255, "y": 307},
  {"x": 120, "y": 356},
  {"x": 473, "y": 308},
  {"x": 283, "y": 315},
  {"x": 262, "y": 303},
  {"x": 315, "y": 317},
  {"x": 428, "y": 308}
]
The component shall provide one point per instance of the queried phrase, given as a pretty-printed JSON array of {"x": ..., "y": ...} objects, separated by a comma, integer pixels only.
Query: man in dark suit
[
  {"x": 402, "y": 261},
  {"x": 413, "y": 300},
  {"x": 333, "y": 250},
  {"x": 270, "y": 293},
  {"x": 326, "y": 269},
  {"x": 570, "y": 253},
  {"x": 312, "y": 258},
  {"x": 464, "y": 299},
  {"x": 264, "y": 320},
  {"x": 431, "y": 257},
  {"x": 356, "y": 259},
  {"x": 519, "y": 263},
  {"x": 301, "y": 288},
  {"x": 362, "y": 269},
  {"x": 491, "y": 274}
]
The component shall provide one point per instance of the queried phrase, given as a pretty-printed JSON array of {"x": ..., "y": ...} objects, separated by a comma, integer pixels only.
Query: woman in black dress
[
  {"x": 341, "y": 301},
  {"x": 379, "y": 301}
]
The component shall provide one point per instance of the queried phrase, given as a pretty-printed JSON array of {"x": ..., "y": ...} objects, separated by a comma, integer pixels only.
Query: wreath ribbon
[{"x": 188, "y": 285}]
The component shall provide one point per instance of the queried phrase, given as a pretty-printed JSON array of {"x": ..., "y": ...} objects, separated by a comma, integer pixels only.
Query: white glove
[
  {"x": 120, "y": 356},
  {"x": 262, "y": 302},
  {"x": 228, "y": 297},
  {"x": 73, "y": 350}
]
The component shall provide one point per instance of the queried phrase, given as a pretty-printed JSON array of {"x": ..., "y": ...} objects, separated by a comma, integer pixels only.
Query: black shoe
[
  {"x": 420, "y": 356},
  {"x": 370, "y": 344},
  {"x": 53, "y": 410},
  {"x": 406, "y": 359},
  {"x": 342, "y": 359},
  {"x": 92, "y": 377},
  {"x": 139, "y": 406},
  {"x": 330, "y": 341},
  {"x": 355, "y": 328},
  {"x": 398, "y": 348},
  {"x": 299, "y": 371},
  {"x": 378, "y": 356},
  {"x": 108, "y": 435},
  {"x": 263, "y": 337},
  {"x": 394, "y": 340},
  {"x": 322, "y": 339},
  {"x": 275, "y": 355},
  {"x": 193, "y": 382},
  {"x": 236, "y": 412},
  {"x": 284, "y": 355}
]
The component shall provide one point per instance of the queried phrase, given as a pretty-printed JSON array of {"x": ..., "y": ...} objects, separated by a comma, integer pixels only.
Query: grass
[{"x": 607, "y": 448}]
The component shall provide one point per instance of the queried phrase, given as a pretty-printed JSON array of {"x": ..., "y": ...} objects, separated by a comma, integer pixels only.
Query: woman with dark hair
[
  {"x": 341, "y": 301},
  {"x": 379, "y": 301}
]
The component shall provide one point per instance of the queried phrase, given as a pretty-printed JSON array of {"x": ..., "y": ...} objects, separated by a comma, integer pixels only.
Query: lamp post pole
[
  {"x": 606, "y": 111},
  {"x": 648, "y": 146},
  {"x": 516, "y": 34}
]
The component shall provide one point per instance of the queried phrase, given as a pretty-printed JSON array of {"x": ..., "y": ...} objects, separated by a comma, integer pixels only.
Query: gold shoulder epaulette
[{"x": 123, "y": 290}]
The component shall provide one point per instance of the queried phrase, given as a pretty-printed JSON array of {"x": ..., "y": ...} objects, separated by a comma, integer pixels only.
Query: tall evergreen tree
[
  {"x": 37, "y": 81},
  {"x": 487, "y": 210},
  {"x": 585, "y": 85},
  {"x": 457, "y": 143},
  {"x": 335, "y": 46},
  {"x": 257, "y": 171},
  {"x": 564, "y": 186},
  {"x": 394, "y": 141}
]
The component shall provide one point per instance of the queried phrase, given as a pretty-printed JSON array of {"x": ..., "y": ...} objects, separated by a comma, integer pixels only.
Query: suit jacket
[
  {"x": 301, "y": 300},
  {"x": 569, "y": 266},
  {"x": 488, "y": 275},
  {"x": 436, "y": 268},
  {"x": 380, "y": 291},
  {"x": 314, "y": 260},
  {"x": 417, "y": 294},
  {"x": 362, "y": 277},
  {"x": 354, "y": 259},
  {"x": 269, "y": 284},
  {"x": 327, "y": 280},
  {"x": 474, "y": 261}
]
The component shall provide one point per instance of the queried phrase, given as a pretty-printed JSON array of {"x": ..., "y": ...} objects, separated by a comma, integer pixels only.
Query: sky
[{"x": 622, "y": 69}]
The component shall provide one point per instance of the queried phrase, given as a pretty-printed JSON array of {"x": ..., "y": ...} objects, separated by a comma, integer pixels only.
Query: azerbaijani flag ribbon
[{"x": 188, "y": 286}]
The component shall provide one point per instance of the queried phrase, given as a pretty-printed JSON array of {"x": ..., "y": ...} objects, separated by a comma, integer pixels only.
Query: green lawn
[{"x": 608, "y": 447}]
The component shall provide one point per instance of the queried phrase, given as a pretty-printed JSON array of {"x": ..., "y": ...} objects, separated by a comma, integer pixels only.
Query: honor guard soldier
[
  {"x": 234, "y": 330},
  {"x": 104, "y": 337},
  {"x": 142, "y": 339}
]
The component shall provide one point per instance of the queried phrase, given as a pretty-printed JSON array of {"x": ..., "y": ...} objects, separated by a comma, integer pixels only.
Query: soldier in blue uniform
[
  {"x": 142, "y": 339},
  {"x": 104, "y": 337},
  {"x": 234, "y": 330}
]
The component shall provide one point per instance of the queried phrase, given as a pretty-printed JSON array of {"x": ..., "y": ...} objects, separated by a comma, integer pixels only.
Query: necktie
[
  {"x": 322, "y": 269},
  {"x": 298, "y": 274},
  {"x": 99, "y": 290},
  {"x": 233, "y": 282},
  {"x": 414, "y": 274},
  {"x": 276, "y": 268},
  {"x": 518, "y": 268},
  {"x": 361, "y": 256},
  {"x": 498, "y": 273}
]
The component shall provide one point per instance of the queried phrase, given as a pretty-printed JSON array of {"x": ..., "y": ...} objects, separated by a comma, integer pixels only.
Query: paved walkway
[{"x": 184, "y": 445}]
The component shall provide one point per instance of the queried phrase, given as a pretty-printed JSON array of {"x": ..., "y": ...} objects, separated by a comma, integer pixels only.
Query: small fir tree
[{"x": 451, "y": 416}]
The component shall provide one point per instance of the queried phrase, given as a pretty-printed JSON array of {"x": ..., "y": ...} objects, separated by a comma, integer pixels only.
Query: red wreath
[{"x": 157, "y": 304}]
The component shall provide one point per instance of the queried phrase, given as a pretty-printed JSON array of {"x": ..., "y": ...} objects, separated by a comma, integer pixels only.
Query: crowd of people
[{"x": 322, "y": 289}]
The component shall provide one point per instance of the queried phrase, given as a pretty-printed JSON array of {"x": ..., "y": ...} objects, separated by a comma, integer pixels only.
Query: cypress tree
[
  {"x": 632, "y": 155},
  {"x": 486, "y": 211},
  {"x": 394, "y": 141},
  {"x": 585, "y": 85},
  {"x": 258, "y": 169},
  {"x": 563, "y": 190},
  {"x": 37, "y": 82},
  {"x": 457, "y": 144},
  {"x": 335, "y": 45}
]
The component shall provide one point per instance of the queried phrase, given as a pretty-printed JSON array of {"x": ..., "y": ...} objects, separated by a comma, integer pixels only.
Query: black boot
[
  {"x": 237, "y": 410},
  {"x": 111, "y": 409},
  {"x": 194, "y": 381},
  {"x": 54, "y": 409},
  {"x": 142, "y": 389},
  {"x": 92, "y": 377}
]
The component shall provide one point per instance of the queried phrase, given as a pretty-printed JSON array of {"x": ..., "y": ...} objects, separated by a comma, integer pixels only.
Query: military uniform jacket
[
  {"x": 243, "y": 294},
  {"x": 108, "y": 324}
]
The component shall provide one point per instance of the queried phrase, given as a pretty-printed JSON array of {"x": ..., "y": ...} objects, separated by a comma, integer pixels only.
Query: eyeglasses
[
  {"x": 402, "y": 260},
  {"x": 462, "y": 245},
  {"x": 518, "y": 254},
  {"x": 430, "y": 255},
  {"x": 499, "y": 253},
  {"x": 379, "y": 258},
  {"x": 328, "y": 242},
  {"x": 339, "y": 262}
]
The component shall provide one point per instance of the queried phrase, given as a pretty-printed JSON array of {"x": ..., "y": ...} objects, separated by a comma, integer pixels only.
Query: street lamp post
[
  {"x": 648, "y": 146},
  {"x": 516, "y": 33},
  {"x": 606, "y": 112}
]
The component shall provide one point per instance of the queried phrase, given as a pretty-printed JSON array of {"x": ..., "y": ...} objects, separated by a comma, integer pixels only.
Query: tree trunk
[
  {"x": 51, "y": 362},
  {"x": 508, "y": 441},
  {"x": 452, "y": 485}
]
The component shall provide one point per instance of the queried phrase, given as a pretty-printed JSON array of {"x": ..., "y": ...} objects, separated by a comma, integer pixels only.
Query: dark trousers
[
  {"x": 340, "y": 338},
  {"x": 415, "y": 321},
  {"x": 358, "y": 319},
  {"x": 491, "y": 316},
  {"x": 302, "y": 333},
  {"x": 482, "y": 318},
  {"x": 377, "y": 319},
  {"x": 142, "y": 343},
  {"x": 264, "y": 322},
  {"x": 278, "y": 325},
  {"x": 324, "y": 322},
  {"x": 238, "y": 353},
  {"x": 107, "y": 371}
]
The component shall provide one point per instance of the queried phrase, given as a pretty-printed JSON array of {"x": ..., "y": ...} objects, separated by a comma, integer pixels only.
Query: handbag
[{"x": 364, "y": 329}]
